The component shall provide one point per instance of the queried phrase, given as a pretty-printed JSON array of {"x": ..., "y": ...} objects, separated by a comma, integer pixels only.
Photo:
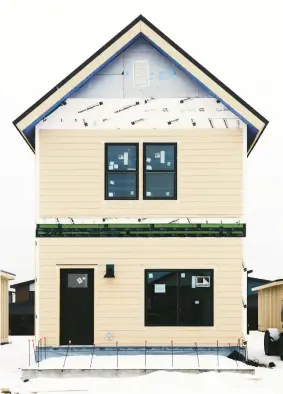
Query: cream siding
[
  {"x": 119, "y": 302},
  {"x": 4, "y": 310},
  {"x": 210, "y": 174},
  {"x": 270, "y": 301}
]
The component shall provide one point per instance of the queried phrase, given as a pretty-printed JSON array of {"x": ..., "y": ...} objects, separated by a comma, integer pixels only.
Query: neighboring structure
[
  {"x": 140, "y": 163},
  {"x": 22, "y": 310},
  {"x": 270, "y": 305},
  {"x": 12, "y": 295},
  {"x": 4, "y": 305},
  {"x": 253, "y": 301}
]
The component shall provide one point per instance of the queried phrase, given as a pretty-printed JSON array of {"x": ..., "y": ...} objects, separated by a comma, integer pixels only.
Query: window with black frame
[
  {"x": 179, "y": 297},
  {"x": 160, "y": 171},
  {"x": 121, "y": 171}
]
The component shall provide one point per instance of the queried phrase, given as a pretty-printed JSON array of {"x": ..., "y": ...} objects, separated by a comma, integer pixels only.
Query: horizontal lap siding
[
  {"x": 119, "y": 302},
  {"x": 4, "y": 311},
  {"x": 269, "y": 306},
  {"x": 209, "y": 174}
]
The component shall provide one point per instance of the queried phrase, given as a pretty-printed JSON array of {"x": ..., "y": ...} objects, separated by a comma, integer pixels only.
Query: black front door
[{"x": 76, "y": 306}]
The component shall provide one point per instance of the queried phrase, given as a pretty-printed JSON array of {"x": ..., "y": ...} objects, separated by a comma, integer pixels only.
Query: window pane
[
  {"x": 77, "y": 280},
  {"x": 161, "y": 298},
  {"x": 160, "y": 185},
  {"x": 160, "y": 157},
  {"x": 121, "y": 185},
  {"x": 121, "y": 157},
  {"x": 195, "y": 298}
]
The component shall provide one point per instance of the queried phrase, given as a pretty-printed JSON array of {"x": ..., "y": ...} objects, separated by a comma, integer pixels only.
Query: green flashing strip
[{"x": 141, "y": 230}]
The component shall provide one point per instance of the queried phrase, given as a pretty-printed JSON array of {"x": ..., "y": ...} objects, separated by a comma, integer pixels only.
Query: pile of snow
[
  {"x": 274, "y": 334},
  {"x": 256, "y": 353}
]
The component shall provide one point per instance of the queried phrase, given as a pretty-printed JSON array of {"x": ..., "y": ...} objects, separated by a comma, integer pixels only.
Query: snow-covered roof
[{"x": 140, "y": 27}]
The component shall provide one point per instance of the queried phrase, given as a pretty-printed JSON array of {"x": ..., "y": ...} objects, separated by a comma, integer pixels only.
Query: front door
[{"x": 77, "y": 306}]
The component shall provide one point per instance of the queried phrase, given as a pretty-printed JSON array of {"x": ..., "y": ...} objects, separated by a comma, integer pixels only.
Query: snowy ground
[{"x": 15, "y": 355}]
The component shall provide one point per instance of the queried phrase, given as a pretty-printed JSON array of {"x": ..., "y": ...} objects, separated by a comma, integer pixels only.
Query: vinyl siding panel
[
  {"x": 4, "y": 311},
  {"x": 270, "y": 302},
  {"x": 210, "y": 169},
  {"x": 119, "y": 302}
]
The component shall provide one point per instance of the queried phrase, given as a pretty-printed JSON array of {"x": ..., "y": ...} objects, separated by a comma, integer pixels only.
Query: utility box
[{"x": 270, "y": 305}]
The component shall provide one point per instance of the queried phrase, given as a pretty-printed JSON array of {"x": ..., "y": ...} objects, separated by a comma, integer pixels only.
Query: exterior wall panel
[
  {"x": 210, "y": 174},
  {"x": 269, "y": 304},
  {"x": 119, "y": 302},
  {"x": 4, "y": 311}
]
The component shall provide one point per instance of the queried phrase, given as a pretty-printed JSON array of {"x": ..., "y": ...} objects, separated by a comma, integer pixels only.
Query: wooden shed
[
  {"x": 270, "y": 305},
  {"x": 4, "y": 305}
]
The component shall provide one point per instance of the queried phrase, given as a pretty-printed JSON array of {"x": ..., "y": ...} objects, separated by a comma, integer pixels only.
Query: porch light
[{"x": 109, "y": 271}]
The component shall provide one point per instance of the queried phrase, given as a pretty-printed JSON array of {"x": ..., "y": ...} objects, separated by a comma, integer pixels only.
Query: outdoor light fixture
[{"x": 109, "y": 271}]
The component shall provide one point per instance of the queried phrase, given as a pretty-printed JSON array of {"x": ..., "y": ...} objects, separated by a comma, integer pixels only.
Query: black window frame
[
  {"x": 193, "y": 270},
  {"x": 106, "y": 170},
  {"x": 175, "y": 171}
]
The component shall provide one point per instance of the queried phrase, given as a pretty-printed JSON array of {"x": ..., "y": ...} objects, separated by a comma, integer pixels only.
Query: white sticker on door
[
  {"x": 202, "y": 281},
  {"x": 160, "y": 288}
]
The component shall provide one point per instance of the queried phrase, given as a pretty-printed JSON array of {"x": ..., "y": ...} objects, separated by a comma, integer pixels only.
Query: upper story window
[
  {"x": 160, "y": 171},
  {"x": 121, "y": 171}
]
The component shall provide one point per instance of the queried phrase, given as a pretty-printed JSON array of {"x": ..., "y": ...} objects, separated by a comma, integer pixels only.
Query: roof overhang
[
  {"x": 7, "y": 275},
  {"x": 26, "y": 122},
  {"x": 268, "y": 285},
  {"x": 20, "y": 284}
]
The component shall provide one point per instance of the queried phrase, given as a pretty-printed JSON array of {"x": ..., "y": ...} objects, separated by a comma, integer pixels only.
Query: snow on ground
[
  {"x": 15, "y": 356},
  {"x": 256, "y": 350}
]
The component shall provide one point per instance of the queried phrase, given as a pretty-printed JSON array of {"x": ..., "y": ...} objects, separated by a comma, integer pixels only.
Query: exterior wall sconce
[{"x": 109, "y": 271}]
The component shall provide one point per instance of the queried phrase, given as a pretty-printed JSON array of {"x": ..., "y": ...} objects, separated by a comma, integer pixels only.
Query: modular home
[
  {"x": 140, "y": 218},
  {"x": 270, "y": 305},
  {"x": 4, "y": 305}
]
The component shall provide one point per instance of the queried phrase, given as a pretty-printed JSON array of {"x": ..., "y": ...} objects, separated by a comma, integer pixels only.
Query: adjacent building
[
  {"x": 270, "y": 305},
  {"x": 21, "y": 311},
  {"x": 140, "y": 172},
  {"x": 4, "y": 305},
  {"x": 252, "y": 306}
]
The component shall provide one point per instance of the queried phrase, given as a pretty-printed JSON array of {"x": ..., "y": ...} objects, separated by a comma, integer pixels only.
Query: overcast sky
[{"x": 240, "y": 42}]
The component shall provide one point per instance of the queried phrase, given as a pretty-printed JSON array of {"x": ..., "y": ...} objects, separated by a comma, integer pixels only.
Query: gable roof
[{"x": 27, "y": 121}]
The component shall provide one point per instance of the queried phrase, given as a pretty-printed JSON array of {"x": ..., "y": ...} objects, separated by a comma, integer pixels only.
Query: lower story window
[{"x": 179, "y": 297}]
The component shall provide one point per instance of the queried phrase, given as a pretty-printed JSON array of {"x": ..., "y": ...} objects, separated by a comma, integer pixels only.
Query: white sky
[{"x": 240, "y": 42}]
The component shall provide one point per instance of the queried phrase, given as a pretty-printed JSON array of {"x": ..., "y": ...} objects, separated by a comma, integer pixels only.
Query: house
[
  {"x": 270, "y": 305},
  {"x": 4, "y": 305},
  {"x": 252, "y": 306},
  {"x": 140, "y": 171},
  {"x": 21, "y": 312}
]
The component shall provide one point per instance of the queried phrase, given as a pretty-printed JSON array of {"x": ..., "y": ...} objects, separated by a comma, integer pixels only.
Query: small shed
[
  {"x": 270, "y": 305},
  {"x": 4, "y": 305}
]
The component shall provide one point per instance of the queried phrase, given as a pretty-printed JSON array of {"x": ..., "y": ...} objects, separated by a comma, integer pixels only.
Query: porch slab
[
  {"x": 115, "y": 365},
  {"x": 116, "y": 373}
]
